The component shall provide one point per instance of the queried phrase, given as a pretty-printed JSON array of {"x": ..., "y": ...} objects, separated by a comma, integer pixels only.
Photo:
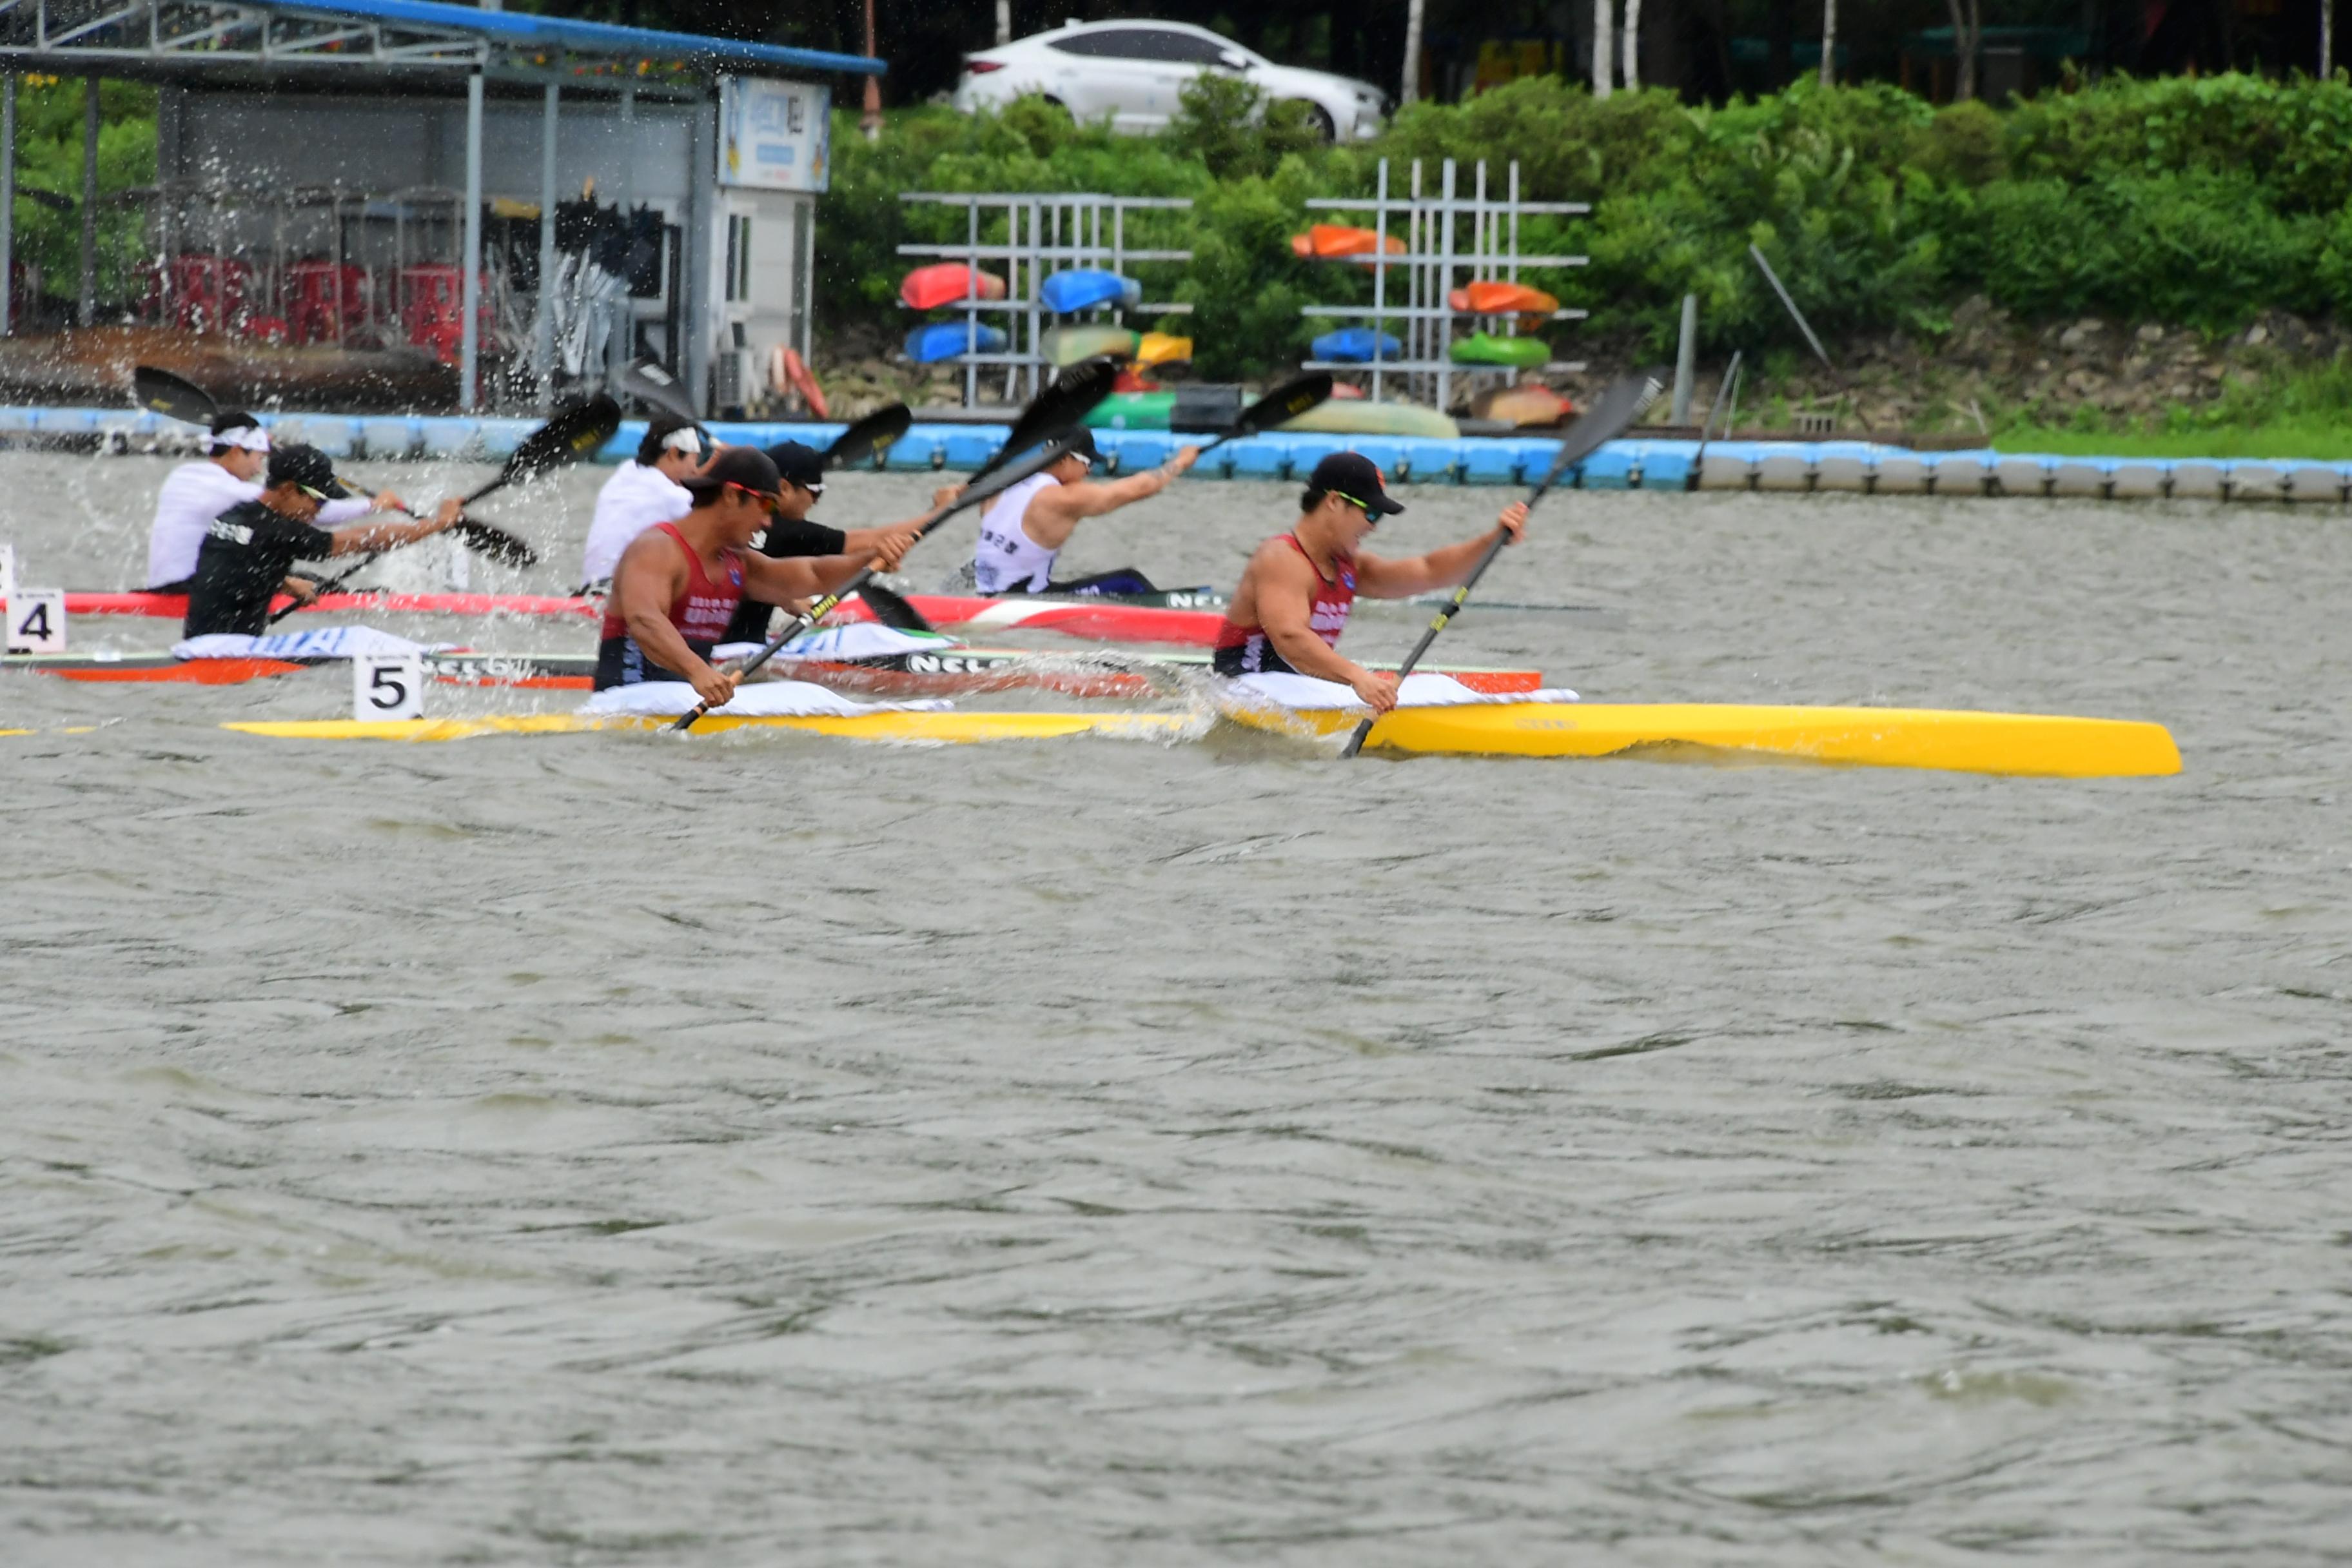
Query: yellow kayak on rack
[
  {"x": 2047, "y": 745},
  {"x": 2028, "y": 744}
]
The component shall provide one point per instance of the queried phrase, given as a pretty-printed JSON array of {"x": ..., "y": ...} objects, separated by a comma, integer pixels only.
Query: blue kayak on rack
[
  {"x": 1083, "y": 288},
  {"x": 1357, "y": 345},
  {"x": 952, "y": 339}
]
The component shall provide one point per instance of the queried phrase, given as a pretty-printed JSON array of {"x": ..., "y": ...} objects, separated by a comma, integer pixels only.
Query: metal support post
[
  {"x": 1686, "y": 360},
  {"x": 469, "y": 339},
  {"x": 620, "y": 344},
  {"x": 8, "y": 205},
  {"x": 544, "y": 334},
  {"x": 89, "y": 202}
]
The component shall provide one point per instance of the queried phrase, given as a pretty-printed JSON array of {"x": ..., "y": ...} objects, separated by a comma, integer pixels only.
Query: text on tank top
[
  {"x": 1246, "y": 649},
  {"x": 1006, "y": 560},
  {"x": 702, "y": 608}
]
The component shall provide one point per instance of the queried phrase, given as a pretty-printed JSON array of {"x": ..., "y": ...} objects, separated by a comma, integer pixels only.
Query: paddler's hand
[
  {"x": 1513, "y": 521},
  {"x": 1377, "y": 689},
  {"x": 446, "y": 515},
  {"x": 893, "y": 547},
  {"x": 715, "y": 689},
  {"x": 301, "y": 590},
  {"x": 1174, "y": 467},
  {"x": 946, "y": 496},
  {"x": 387, "y": 501}
]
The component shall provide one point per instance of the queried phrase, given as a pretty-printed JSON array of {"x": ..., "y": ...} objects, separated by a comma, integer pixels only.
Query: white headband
[
  {"x": 245, "y": 438},
  {"x": 685, "y": 439}
]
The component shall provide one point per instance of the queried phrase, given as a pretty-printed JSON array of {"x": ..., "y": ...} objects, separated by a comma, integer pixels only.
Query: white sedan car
[{"x": 1133, "y": 71}]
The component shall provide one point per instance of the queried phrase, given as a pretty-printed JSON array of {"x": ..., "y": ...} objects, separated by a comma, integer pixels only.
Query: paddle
[
  {"x": 872, "y": 434},
  {"x": 980, "y": 489},
  {"x": 572, "y": 435},
  {"x": 1063, "y": 406},
  {"x": 648, "y": 383},
  {"x": 161, "y": 392},
  {"x": 1624, "y": 401}
]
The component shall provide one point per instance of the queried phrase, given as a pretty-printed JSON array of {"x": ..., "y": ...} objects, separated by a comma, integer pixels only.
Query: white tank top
[{"x": 1006, "y": 560}]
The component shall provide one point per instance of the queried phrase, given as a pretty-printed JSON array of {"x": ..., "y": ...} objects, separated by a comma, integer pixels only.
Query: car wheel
[{"x": 1318, "y": 119}]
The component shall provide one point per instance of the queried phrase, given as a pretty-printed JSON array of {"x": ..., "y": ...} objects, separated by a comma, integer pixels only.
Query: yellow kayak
[
  {"x": 2030, "y": 744},
  {"x": 2046, "y": 745}
]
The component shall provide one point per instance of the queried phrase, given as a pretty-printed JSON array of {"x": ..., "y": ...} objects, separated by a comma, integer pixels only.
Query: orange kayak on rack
[
  {"x": 1326, "y": 241},
  {"x": 1502, "y": 300}
]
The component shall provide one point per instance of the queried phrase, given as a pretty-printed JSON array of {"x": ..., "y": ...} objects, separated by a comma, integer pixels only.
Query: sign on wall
[{"x": 774, "y": 135}]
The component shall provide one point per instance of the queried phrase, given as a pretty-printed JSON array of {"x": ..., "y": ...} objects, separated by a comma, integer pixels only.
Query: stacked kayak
[
  {"x": 943, "y": 340},
  {"x": 1357, "y": 345},
  {"x": 1085, "y": 288},
  {"x": 1331, "y": 241},
  {"x": 1502, "y": 300},
  {"x": 1365, "y": 417},
  {"x": 1485, "y": 348},
  {"x": 947, "y": 283},
  {"x": 1071, "y": 345},
  {"x": 1158, "y": 350}
]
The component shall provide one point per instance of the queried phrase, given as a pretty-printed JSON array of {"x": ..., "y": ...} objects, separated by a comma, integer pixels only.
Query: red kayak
[
  {"x": 175, "y": 606},
  {"x": 1103, "y": 620}
]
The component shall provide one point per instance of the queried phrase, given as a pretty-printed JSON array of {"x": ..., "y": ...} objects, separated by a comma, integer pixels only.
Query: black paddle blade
[
  {"x": 1284, "y": 403},
  {"x": 891, "y": 610},
  {"x": 650, "y": 384},
  {"x": 872, "y": 435},
  {"x": 1624, "y": 400},
  {"x": 161, "y": 392},
  {"x": 1062, "y": 406},
  {"x": 570, "y": 435},
  {"x": 495, "y": 544}
]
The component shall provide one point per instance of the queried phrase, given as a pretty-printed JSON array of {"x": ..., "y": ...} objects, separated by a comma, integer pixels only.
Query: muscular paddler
[
  {"x": 678, "y": 583},
  {"x": 1022, "y": 531},
  {"x": 1294, "y": 594}
]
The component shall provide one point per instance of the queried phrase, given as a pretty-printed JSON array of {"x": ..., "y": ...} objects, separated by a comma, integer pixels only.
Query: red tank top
[
  {"x": 1245, "y": 650},
  {"x": 700, "y": 613}
]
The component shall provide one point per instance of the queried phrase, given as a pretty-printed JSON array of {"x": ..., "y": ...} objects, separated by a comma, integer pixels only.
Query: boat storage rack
[
  {"x": 1041, "y": 233},
  {"x": 1450, "y": 240}
]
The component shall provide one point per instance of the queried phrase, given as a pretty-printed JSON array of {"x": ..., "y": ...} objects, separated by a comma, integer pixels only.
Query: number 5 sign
[
  {"x": 387, "y": 686},
  {"x": 36, "y": 621}
]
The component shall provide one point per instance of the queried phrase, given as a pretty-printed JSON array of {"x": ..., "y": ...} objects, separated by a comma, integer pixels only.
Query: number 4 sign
[
  {"x": 387, "y": 686},
  {"x": 36, "y": 621}
]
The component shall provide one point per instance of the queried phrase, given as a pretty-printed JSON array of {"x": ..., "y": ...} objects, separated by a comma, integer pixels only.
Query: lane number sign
[
  {"x": 36, "y": 620},
  {"x": 387, "y": 686}
]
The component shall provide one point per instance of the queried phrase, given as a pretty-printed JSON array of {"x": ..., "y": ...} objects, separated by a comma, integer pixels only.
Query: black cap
[
  {"x": 803, "y": 465},
  {"x": 1081, "y": 443},
  {"x": 745, "y": 465},
  {"x": 1358, "y": 477},
  {"x": 307, "y": 466}
]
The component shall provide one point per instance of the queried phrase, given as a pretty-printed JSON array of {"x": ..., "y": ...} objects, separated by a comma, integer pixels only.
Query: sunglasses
[
  {"x": 1372, "y": 518},
  {"x": 318, "y": 496},
  {"x": 765, "y": 498}
]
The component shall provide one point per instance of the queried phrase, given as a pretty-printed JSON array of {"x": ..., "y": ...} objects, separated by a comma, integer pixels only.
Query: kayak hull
[
  {"x": 946, "y": 283},
  {"x": 1366, "y": 418},
  {"x": 2016, "y": 744},
  {"x": 175, "y": 606},
  {"x": 2020, "y": 744}
]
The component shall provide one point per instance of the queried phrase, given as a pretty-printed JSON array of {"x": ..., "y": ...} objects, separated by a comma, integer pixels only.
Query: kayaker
[
  {"x": 1023, "y": 529},
  {"x": 789, "y": 534},
  {"x": 250, "y": 549},
  {"x": 678, "y": 584},
  {"x": 228, "y": 475},
  {"x": 644, "y": 490},
  {"x": 1294, "y": 597}
]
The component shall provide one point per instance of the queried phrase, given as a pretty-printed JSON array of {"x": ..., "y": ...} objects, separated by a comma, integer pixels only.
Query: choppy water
[{"x": 608, "y": 1151}]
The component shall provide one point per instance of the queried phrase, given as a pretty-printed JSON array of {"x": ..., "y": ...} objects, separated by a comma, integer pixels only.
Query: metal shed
[{"x": 390, "y": 111}]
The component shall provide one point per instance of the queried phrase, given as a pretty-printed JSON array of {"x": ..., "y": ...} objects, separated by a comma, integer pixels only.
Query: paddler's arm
[
  {"x": 1285, "y": 592},
  {"x": 386, "y": 535},
  {"x": 651, "y": 574},
  {"x": 1377, "y": 578},
  {"x": 1055, "y": 514},
  {"x": 795, "y": 577}
]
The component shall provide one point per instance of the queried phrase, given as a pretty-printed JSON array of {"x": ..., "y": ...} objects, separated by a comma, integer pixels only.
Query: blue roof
[{"x": 522, "y": 29}]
